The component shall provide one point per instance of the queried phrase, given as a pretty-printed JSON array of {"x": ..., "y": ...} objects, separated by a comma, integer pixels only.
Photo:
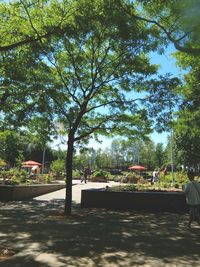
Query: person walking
[
  {"x": 192, "y": 193},
  {"x": 154, "y": 176},
  {"x": 84, "y": 176}
]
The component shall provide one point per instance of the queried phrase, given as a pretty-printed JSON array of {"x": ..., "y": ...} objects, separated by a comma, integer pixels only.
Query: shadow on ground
[{"x": 42, "y": 236}]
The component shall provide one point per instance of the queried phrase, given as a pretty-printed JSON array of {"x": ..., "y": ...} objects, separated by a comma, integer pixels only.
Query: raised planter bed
[
  {"x": 136, "y": 200},
  {"x": 22, "y": 192}
]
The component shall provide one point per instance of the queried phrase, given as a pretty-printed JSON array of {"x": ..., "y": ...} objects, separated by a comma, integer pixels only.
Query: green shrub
[
  {"x": 2, "y": 163},
  {"x": 13, "y": 181},
  {"x": 117, "y": 178},
  {"x": 23, "y": 176},
  {"x": 130, "y": 187},
  {"x": 181, "y": 177},
  {"x": 58, "y": 167},
  {"x": 131, "y": 178},
  {"x": 100, "y": 173},
  {"x": 99, "y": 176},
  {"x": 15, "y": 176},
  {"x": 76, "y": 174},
  {"x": 145, "y": 187},
  {"x": 48, "y": 178}
]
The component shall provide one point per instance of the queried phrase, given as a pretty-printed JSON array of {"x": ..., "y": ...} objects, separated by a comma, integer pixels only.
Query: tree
[
  {"x": 103, "y": 159},
  {"x": 159, "y": 155},
  {"x": 82, "y": 159},
  {"x": 174, "y": 21},
  {"x": 16, "y": 147},
  {"x": 58, "y": 167},
  {"x": 189, "y": 114},
  {"x": 117, "y": 154},
  {"x": 10, "y": 147},
  {"x": 96, "y": 68},
  {"x": 187, "y": 148},
  {"x": 147, "y": 155}
]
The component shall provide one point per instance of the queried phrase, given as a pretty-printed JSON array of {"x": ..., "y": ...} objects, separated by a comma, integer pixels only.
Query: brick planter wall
[
  {"x": 148, "y": 201},
  {"x": 21, "y": 192}
]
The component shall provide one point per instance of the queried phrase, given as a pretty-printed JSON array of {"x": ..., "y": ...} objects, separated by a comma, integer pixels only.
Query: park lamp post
[
  {"x": 43, "y": 159},
  {"x": 172, "y": 156}
]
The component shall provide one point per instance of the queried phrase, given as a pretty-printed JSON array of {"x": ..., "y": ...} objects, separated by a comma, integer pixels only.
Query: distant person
[
  {"x": 84, "y": 176},
  {"x": 32, "y": 174},
  {"x": 154, "y": 176},
  {"x": 192, "y": 193}
]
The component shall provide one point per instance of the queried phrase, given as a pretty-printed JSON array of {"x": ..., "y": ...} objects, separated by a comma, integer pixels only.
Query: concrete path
[
  {"x": 40, "y": 236},
  {"x": 76, "y": 191}
]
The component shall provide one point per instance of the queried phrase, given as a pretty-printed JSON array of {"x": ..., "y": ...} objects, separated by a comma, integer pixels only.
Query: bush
[
  {"x": 76, "y": 174},
  {"x": 130, "y": 178},
  {"x": 129, "y": 187},
  {"x": 48, "y": 178},
  {"x": 143, "y": 187},
  {"x": 117, "y": 178},
  {"x": 15, "y": 176},
  {"x": 181, "y": 177},
  {"x": 2, "y": 163},
  {"x": 99, "y": 173},
  {"x": 99, "y": 176},
  {"x": 23, "y": 176},
  {"x": 58, "y": 167}
]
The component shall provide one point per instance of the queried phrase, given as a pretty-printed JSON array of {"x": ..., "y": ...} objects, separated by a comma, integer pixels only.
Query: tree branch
[
  {"x": 92, "y": 130},
  {"x": 55, "y": 30},
  {"x": 184, "y": 49}
]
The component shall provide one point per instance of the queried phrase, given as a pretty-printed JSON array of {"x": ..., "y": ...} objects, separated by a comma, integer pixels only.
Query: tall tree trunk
[{"x": 68, "y": 165}]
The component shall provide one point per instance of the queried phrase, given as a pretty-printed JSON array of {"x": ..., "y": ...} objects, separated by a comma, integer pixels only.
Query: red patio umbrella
[
  {"x": 31, "y": 163},
  {"x": 137, "y": 168}
]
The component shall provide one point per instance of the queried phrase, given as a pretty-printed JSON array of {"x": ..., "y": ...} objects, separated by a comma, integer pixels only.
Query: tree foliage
[
  {"x": 31, "y": 22},
  {"x": 172, "y": 21},
  {"x": 15, "y": 147},
  {"x": 187, "y": 149}
]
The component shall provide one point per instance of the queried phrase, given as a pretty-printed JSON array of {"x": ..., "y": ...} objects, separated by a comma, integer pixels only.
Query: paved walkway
[
  {"x": 77, "y": 187},
  {"x": 41, "y": 237}
]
